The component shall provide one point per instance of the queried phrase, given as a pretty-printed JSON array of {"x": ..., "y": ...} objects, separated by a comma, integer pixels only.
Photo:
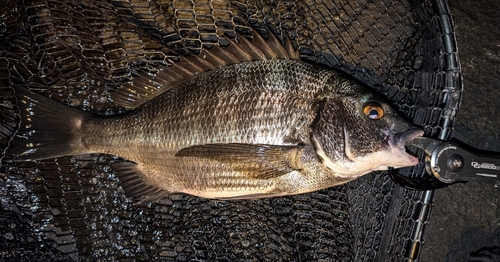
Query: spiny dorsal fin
[{"x": 146, "y": 86}]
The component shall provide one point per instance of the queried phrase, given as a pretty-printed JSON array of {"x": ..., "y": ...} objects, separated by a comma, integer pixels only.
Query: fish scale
[
  {"x": 245, "y": 120},
  {"x": 253, "y": 129}
]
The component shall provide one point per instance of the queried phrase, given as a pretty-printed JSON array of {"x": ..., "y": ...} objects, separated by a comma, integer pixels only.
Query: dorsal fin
[{"x": 146, "y": 85}]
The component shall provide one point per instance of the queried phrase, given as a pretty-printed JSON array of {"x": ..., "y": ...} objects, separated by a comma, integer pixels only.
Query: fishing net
[{"x": 76, "y": 52}]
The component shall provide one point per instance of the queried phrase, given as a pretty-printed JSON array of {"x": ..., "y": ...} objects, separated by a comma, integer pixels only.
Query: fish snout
[{"x": 403, "y": 138}]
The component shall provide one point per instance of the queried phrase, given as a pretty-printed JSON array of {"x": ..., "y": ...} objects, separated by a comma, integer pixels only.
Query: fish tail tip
[{"x": 46, "y": 129}]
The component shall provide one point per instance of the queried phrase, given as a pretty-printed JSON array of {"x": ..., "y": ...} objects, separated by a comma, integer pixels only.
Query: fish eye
[{"x": 373, "y": 110}]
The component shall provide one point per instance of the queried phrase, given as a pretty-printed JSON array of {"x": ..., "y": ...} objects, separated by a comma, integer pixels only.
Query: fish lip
[
  {"x": 397, "y": 145},
  {"x": 401, "y": 139}
]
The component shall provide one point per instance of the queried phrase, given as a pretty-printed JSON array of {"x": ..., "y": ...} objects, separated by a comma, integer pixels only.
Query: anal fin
[{"x": 135, "y": 184}]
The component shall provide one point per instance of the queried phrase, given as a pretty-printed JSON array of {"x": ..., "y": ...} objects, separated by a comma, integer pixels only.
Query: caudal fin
[{"x": 48, "y": 129}]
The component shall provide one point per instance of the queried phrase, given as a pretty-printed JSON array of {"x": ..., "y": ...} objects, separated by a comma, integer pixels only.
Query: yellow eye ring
[{"x": 373, "y": 110}]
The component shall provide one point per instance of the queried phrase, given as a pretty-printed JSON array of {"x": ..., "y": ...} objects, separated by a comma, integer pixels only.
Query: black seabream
[{"x": 272, "y": 127}]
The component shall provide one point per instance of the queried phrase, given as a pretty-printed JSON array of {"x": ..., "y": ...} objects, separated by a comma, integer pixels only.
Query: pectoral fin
[
  {"x": 135, "y": 184},
  {"x": 256, "y": 160}
]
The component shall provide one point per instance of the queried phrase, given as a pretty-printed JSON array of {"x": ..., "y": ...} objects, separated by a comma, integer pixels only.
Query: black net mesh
[{"x": 73, "y": 208}]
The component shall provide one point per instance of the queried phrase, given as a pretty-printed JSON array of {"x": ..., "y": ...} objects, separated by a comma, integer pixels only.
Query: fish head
[{"x": 356, "y": 132}]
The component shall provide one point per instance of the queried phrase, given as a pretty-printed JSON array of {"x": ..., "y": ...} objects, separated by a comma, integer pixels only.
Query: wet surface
[
  {"x": 466, "y": 217},
  {"x": 72, "y": 208}
]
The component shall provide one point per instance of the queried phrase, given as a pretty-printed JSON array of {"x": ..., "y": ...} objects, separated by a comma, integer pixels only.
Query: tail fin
[{"x": 48, "y": 129}]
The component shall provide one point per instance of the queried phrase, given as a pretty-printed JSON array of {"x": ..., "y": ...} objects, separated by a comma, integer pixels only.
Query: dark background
[{"x": 466, "y": 217}]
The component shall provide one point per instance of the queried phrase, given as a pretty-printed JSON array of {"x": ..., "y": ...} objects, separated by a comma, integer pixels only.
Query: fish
[{"x": 251, "y": 129}]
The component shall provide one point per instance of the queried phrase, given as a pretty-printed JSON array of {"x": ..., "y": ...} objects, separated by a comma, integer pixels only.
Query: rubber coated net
[{"x": 75, "y": 52}]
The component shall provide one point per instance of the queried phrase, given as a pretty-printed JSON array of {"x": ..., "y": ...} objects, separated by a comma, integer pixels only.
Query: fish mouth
[{"x": 398, "y": 142}]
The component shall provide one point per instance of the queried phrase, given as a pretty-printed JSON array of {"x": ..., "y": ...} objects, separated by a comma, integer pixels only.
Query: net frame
[{"x": 45, "y": 200}]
